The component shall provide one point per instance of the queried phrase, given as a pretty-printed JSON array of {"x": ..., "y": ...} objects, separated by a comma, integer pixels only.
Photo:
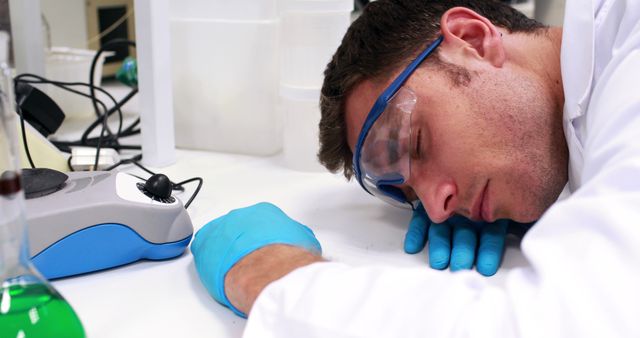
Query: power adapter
[{"x": 84, "y": 158}]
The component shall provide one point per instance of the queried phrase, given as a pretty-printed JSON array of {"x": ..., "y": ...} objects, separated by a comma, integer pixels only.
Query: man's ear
[{"x": 468, "y": 34}]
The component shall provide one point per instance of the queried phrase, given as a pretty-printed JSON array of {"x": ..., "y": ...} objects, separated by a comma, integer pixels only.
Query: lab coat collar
[{"x": 577, "y": 58}]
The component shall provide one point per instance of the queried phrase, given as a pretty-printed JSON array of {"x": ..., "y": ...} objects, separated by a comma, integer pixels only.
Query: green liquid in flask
[{"x": 34, "y": 310}]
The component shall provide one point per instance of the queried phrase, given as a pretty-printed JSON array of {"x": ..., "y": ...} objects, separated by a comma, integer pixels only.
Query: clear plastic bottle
[{"x": 29, "y": 306}]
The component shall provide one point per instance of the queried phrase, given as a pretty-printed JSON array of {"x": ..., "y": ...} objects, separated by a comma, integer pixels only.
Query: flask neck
[
  {"x": 14, "y": 253},
  {"x": 14, "y": 248}
]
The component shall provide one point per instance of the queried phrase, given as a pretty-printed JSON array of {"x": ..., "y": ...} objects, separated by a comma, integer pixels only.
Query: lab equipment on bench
[
  {"x": 29, "y": 305},
  {"x": 103, "y": 219}
]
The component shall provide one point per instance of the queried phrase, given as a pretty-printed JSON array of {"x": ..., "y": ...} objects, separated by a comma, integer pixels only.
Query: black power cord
[
  {"x": 104, "y": 125},
  {"x": 101, "y": 118},
  {"x": 105, "y": 47},
  {"x": 112, "y": 140},
  {"x": 195, "y": 193},
  {"x": 109, "y": 112},
  {"x": 19, "y": 110},
  {"x": 24, "y": 138},
  {"x": 36, "y": 79}
]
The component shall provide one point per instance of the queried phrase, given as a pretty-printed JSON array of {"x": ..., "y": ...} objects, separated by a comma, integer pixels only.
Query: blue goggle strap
[{"x": 380, "y": 105}]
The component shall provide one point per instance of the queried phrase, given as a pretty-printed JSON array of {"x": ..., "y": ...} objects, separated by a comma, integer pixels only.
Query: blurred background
[
  {"x": 245, "y": 74},
  {"x": 79, "y": 23}
]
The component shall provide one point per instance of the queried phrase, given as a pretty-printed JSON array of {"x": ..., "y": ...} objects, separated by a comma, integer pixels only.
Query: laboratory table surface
[{"x": 166, "y": 298}]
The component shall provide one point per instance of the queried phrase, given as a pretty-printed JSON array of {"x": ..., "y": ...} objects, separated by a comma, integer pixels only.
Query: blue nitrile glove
[
  {"x": 453, "y": 243},
  {"x": 221, "y": 243}
]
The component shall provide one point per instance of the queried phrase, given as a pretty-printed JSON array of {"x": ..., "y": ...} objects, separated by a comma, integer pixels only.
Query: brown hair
[{"x": 387, "y": 35}]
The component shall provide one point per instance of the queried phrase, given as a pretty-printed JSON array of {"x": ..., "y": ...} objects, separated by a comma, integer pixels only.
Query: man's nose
[{"x": 439, "y": 200}]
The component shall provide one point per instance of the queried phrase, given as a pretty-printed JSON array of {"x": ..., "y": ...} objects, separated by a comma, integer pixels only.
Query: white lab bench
[{"x": 166, "y": 298}]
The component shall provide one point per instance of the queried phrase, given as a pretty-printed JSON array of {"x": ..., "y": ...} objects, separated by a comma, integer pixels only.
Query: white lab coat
[{"x": 584, "y": 278}]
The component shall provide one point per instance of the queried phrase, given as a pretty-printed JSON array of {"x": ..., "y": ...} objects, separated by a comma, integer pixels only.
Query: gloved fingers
[
  {"x": 439, "y": 245},
  {"x": 416, "y": 236},
  {"x": 464, "y": 243},
  {"x": 491, "y": 249}
]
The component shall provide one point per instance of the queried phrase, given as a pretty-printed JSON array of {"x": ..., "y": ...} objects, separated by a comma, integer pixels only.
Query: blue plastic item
[
  {"x": 92, "y": 249},
  {"x": 454, "y": 242},
  {"x": 99, "y": 220}
]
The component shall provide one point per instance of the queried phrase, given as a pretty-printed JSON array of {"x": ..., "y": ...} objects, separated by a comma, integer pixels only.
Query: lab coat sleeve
[
  {"x": 584, "y": 278},
  {"x": 583, "y": 282}
]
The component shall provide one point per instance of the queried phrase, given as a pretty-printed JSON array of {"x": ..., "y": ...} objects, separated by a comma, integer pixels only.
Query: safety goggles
[{"x": 382, "y": 160}]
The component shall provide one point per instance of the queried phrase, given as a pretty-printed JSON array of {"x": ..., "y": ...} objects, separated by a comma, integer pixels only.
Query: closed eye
[
  {"x": 418, "y": 143},
  {"x": 415, "y": 149}
]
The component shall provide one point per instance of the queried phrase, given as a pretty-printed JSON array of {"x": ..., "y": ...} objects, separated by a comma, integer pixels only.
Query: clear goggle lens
[{"x": 385, "y": 160}]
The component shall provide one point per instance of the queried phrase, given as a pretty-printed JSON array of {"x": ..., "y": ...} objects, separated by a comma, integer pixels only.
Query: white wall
[{"x": 68, "y": 22}]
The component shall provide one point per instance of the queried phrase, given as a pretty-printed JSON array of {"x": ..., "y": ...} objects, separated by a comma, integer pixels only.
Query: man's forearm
[{"x": 244, "y": 282}]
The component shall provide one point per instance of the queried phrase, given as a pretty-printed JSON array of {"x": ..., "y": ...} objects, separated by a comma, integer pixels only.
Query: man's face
[{"x": 489, "y": 148}]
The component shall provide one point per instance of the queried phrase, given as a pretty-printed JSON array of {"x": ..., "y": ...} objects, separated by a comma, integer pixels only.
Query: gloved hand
[
  {"x": 459, "y": 250},
  {"x": 221, "y": 243}
]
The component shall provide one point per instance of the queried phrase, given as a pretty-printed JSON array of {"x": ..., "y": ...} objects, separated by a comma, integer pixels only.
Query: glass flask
[{"x": 29, "y": 306}]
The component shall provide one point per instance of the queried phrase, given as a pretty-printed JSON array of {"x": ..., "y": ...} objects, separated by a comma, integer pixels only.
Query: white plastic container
[
  {"x": 300, "y": 135},
  {"x": 311, "y": 31},
  {"x": 73, "y": 65},
  {"x": 225, "y": 73},
  {"x": 226, "y": 85},
  {"x": 234, "y": 10},
  {"x": 226, "y": 70}
]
